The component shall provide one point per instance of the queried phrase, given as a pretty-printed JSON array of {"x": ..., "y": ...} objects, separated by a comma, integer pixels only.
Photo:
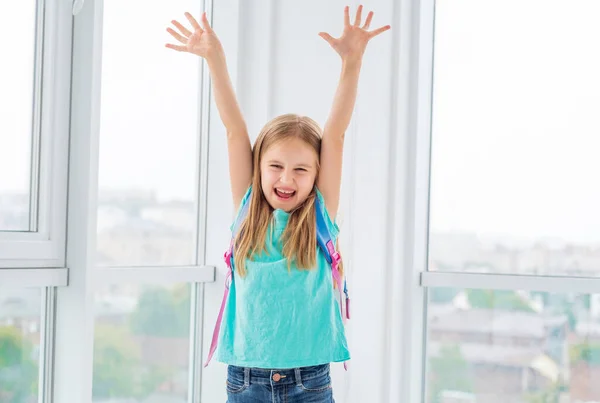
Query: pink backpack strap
[
  {"x": 215, "y": 338},
  {"x": 228, "y": 256},
  {"x": 337, "y": 278}
]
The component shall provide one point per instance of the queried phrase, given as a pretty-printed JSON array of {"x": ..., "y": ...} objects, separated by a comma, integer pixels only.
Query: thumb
[{"x": 327, "y": 37}]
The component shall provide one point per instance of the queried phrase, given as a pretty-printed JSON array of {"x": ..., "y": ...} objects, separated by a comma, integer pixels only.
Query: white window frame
[
  {"x": 413, "y": 52},
  {"x": 45, "y": 247},
  {"x": 36, "y": 259},
  {"x": 414, "y": 43},
  {"x": 74, "y": 327}
]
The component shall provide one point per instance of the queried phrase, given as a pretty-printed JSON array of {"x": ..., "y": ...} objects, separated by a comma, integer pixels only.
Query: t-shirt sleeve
[
  {"x": 331, "y": 224},
  {"x": 239, "y": 210}
]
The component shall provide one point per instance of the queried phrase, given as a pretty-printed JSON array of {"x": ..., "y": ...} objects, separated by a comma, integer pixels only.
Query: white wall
[{"x": 279, "y": 64}]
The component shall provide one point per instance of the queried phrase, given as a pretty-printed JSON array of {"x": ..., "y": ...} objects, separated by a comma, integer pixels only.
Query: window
[
  {"x": 514, "y": 138},
  {"x": 34, "y": 134},
  {"x": 513, "y": 255},
  {"x": 21, "y": 341},
  {"x": 150, "y": 210},
  {"x": 142, "y": 343},
  {"x": 512, "y": 345},
  {"x": 148, "y": 168},
  {"x": 18, "y": 100}
]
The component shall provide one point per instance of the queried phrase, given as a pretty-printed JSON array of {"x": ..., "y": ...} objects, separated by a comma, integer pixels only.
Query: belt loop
[
  {"x": 298, "y": 376},
  {"x": 246, "y": 376}
]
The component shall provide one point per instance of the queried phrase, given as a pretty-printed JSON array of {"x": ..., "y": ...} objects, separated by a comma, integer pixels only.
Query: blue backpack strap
[
  {"x": 325, "y": 242},
  {"x": 236, "y": 226}
]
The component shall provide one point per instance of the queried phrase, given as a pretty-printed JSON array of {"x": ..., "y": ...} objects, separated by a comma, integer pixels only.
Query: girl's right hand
[{"x": 202, "y": 42}]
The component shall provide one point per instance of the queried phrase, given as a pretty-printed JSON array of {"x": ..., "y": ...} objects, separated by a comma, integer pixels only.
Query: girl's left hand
[{"x": 353, "y": 42}]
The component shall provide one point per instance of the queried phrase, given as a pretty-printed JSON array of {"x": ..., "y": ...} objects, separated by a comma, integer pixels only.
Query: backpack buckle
[
  {"x": 336, "y": 258},
  {"x": 227, "y": 257}
]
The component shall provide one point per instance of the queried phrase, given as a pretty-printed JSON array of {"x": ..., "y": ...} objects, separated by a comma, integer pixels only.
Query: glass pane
[
  {"x": 515, "y": 137},
  {"x": 512, "y": 346},
  {"x": 20, "y": 315},
  {"x": 16, "y": 112},
  {"x": 148, "y": 138},
  {"x": 141, "y": 347}
]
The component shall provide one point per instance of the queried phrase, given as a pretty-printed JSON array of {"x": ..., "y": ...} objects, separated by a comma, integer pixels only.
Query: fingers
[
  {"x": 177, "y": 36},
  {"x": 358, "y": 16},
  {"x": 193, "y": 21},
  {"x": 327, "y": 37},
  {"x": 346, "y": 16},
  {"x": 181, "y": 28},
  {"x": 206, "y": 24},
  {"x": 368, "y": 21},
  {"x": 378, "y": 31},
  {"x": 176, "y": 47}
]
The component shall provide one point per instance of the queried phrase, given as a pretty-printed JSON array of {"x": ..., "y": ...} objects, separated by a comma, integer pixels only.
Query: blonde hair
[{"x": 300, "y": 234}]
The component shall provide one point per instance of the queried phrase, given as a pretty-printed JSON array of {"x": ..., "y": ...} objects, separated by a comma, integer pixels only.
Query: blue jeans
[{"x": 299, "y": 385}]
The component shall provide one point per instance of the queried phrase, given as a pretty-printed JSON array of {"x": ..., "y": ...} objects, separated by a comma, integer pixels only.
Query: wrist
[
  {"x": 215, "y": 54},
  {"x": 216, "y": 60},
  {"x": 351, "y": 63}
]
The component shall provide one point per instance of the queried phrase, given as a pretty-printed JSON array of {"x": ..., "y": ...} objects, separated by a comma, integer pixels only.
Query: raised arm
[
  {"x": 351, "y": 47},
  {"x": 204, "y": 42}
]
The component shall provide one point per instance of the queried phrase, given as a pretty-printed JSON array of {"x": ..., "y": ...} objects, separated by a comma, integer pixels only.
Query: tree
[
  {"x": 449, "y": 371},
  {"x": 587, "y": 352},
  {"x": 163, "y": 313},
  {"x": 116, "y": 358},
  {"x": 18, "y": 367},
  {"x": 118, "y": 368},
  {"x": 497, "y": 299},
  {"x": 550, "y": 395},
  {"x": 564, "y": 304}
]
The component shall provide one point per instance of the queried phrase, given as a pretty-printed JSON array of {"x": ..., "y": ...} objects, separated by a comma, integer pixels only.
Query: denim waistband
[{"x": 276, "y": 376}]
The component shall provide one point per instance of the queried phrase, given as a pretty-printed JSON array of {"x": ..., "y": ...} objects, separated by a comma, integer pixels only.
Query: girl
[{"x": 282, "y": 325}]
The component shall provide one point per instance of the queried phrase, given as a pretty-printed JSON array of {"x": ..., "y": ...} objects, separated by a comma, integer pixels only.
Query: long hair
[{"x": 300, "y": 235}]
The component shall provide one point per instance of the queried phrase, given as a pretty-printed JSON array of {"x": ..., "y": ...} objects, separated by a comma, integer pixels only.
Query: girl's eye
[
  {"x": 301, "y": 169},
  {"x": 275, "y": 166}
]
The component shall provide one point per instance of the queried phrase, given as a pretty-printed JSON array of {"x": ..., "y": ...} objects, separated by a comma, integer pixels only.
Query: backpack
[{"x": 324, "y": 242}]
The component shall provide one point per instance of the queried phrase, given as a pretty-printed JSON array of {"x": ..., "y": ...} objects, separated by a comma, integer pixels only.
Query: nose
[{"x": 286, "y": 177}]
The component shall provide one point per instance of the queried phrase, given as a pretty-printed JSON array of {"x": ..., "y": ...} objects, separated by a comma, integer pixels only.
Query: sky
[{"x": 516, "y": 112}]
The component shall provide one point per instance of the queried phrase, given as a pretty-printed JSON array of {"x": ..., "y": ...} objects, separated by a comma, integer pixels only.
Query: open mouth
[{"x": 285, "y": 194}]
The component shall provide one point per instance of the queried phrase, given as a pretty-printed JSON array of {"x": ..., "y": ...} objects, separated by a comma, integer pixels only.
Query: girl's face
[{"x": 288, "y": 171}]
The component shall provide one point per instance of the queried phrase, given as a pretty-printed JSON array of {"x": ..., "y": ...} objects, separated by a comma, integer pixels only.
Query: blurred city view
[
  {"x": 483, "y": 345},
  {"x": 512, "y": 346}
]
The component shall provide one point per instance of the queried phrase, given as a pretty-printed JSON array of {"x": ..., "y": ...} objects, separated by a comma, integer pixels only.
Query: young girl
[{"x": 282, "y": 325}]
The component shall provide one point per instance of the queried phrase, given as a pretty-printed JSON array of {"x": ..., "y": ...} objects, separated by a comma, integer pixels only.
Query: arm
[
  {"x": 332, "y": 144},
  {"x": 238, "y": 141},
  {"x": 205, "y": 43},
  {"x": 351, "y": 47}
]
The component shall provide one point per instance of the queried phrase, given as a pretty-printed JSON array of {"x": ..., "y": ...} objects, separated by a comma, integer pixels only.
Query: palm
[
  {"x": 354, "y": 39},
  {"x": 202, "y": 41}
]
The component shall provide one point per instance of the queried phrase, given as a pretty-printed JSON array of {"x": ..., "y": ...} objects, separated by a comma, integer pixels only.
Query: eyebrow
[{"x": 280, "y": 163}]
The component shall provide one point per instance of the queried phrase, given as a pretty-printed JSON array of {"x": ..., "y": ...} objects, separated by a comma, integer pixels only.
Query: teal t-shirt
[{"x": 275, "y": 318}]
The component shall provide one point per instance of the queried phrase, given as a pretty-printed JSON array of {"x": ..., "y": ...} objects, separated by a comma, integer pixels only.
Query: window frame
[
  {"x": 75, "y": 319},
  {"x": 414, "y": 214},
  {"x": 409, "y": 183},
  {"x": 45, "y": 247}
]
